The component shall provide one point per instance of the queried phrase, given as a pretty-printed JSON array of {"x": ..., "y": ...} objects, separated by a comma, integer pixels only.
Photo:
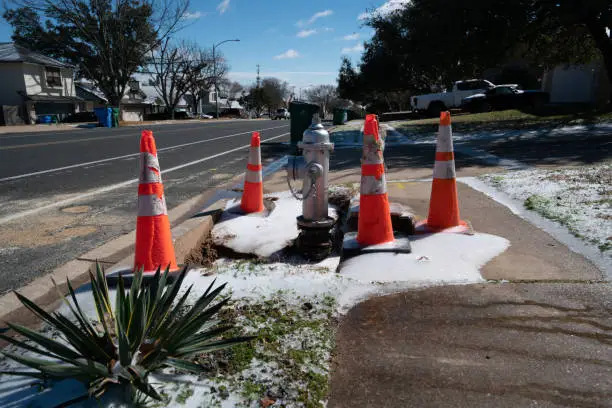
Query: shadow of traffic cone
[
  {"x": 374, "y": 225},
  {"x": 154, "y": 248},
  {"x": 252, "y": 196},
  {"x": 444, "y": 203}
]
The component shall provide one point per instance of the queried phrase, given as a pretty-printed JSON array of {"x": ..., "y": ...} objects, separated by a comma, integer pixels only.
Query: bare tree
[
  {"x": 322, "y": 95},
  {"x": 175, "y": 71},
  {"x": 235, "y": 89},
  {"x": 205, "y": 79},
  {"x": 274, "y": 93},
  {"x": 108, "y": 40}
]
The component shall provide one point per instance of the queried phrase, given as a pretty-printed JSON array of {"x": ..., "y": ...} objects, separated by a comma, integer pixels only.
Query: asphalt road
[{"x": 64, "y": 193}]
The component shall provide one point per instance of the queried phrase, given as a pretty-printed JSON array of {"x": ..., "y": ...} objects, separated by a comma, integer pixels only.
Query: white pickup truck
[{"x": 435, "y": 103}]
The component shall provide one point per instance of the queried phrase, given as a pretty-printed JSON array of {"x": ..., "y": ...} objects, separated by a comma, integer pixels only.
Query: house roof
[
  {"x": 11, "y": 52},
  {"x": 88, "y": 94},
  {"x": 57, "y": 99}
]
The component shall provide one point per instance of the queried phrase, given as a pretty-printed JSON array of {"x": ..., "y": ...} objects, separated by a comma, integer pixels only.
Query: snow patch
[
  {"x": 435, "y": 259},
  {"x": 259, "y": 233},
  {"x": 514, "y": 201}
]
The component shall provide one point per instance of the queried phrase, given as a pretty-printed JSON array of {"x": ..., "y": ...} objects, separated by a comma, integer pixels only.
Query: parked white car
[
  {"x": 281, "y": 114},
  {"x": 435, "y": 103}
]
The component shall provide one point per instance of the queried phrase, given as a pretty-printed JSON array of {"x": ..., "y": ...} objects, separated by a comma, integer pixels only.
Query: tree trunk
[
  {"x": 114, "y": 100},
  {"x": 196, "y": 105},
  {"x": 604, "y": 43}
]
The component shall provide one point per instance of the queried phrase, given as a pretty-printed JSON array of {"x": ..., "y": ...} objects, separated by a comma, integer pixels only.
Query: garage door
[{"x": 131, "y": 114}]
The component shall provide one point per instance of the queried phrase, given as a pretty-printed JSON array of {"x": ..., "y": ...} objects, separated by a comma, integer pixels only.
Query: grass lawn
[
  {"x": 510, "y": 119},
  {"x": 578, "y": 198}
]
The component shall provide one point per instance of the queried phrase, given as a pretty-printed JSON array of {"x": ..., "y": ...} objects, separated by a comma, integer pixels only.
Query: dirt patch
[
  {"x": 341, "y": 196},
  {"x": 48, "y": 230},
  {"x": 203, "y": 255},
  {"x": 72, "y": 232},
  {"x": 79, "y": 209}
]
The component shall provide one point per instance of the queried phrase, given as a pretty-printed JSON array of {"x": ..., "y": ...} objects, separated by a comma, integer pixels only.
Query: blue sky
[{"x": 301, "y": 42}]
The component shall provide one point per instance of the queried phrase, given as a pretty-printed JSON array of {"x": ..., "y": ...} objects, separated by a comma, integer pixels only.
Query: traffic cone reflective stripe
[
  {"x": 252, "y": 196},
  {"x": 374, "y": 225},
  {"x": 154, "y": 247},
  {"x": 444, "y": 202},
  {"x": 255, "y": 154}
]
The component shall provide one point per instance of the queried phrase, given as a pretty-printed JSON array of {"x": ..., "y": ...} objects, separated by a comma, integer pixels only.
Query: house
[
  {"x": 138, "y": 102},
  {"x": 36, "y": 84},
  {"x": 91, "y": 96},
  {"x": 208, "y": 102},
  {"x": 586, "y": 83}
]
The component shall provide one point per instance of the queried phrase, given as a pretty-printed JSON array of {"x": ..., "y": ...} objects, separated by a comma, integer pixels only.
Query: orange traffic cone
[
  {"x": 374, "y": 225},
  {"x": 154, "y": 247},
  {"x": 252, "y": 196},
  {"x": 444, "y": 203}
]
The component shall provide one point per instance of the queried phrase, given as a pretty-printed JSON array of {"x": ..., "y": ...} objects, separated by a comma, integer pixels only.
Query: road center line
[
  {"x": 123, "y": 184},
  {"x": 72, "y": 166},
  {"x": 78, "y": 131},
  {"x": 87, "y": 139}
]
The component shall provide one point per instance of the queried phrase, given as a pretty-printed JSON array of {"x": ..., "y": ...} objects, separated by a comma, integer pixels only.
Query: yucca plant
[{"x": 150, "y": 328}]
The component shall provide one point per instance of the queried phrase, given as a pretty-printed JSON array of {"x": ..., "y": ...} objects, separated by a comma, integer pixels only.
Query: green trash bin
[
  {"x": 301, "y": 117},
  {"x": 115, "y": 117},
  {"x": 340, "y": 116}
]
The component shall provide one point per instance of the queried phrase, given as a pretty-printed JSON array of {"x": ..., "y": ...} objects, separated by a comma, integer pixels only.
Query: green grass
[
  {"x": 273, "y": 321},
  {"x": 509, "y": 119},
  {"x": 184, "y": 395}
]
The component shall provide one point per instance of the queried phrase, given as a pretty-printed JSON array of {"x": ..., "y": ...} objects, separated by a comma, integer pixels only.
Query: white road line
[
  {"x": 122, "y": 184},
  {"x": 72, "y": 166},
  {"x": 71, "y": 132}
]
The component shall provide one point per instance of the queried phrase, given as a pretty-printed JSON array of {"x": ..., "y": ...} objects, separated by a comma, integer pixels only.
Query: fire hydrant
[{"x": 314, "y": 241}]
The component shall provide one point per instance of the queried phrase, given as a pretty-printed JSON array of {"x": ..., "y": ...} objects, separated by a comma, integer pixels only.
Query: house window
[{"x": 54, "y": 77}]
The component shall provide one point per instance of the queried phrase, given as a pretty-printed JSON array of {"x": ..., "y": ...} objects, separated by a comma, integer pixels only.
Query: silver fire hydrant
[{"x": 314, "y": 241}]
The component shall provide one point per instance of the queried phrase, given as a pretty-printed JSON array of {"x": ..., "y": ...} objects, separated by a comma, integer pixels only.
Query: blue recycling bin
[{"x": 105, "y": 116}]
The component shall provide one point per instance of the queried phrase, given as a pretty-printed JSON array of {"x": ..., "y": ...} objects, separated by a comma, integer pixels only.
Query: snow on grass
[
  {"x": 428, "y": 137},
  {"x": 578, "y": 198}
]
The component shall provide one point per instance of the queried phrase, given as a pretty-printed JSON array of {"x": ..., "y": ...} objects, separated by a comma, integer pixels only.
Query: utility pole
[
  {"x": 215, "y": 74},
  {"x": 258, "y": 77}
]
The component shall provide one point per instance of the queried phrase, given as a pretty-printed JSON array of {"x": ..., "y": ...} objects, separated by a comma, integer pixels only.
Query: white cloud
[
  {"x": 387, "y": 8},
  {"x": 351, "y": 50},
  {"x": 351, "y": 37},
  {"x": 188, "y": 15},
  {"x": 290, "y": 53},
  {"x": 223, "y": 6},
  {"x": 315, "y": 17},
  {"x": 306, "y": 33}
]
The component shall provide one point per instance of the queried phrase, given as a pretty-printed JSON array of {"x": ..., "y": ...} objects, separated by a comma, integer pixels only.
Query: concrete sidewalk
[
  {"x": 40, "y": 128},
  {"x": 491, "y": 345},
  {"x": 545, "y": 341}
]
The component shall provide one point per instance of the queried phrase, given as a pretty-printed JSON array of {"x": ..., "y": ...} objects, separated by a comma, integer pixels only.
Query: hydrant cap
[{"x": 316, "y": 133}]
